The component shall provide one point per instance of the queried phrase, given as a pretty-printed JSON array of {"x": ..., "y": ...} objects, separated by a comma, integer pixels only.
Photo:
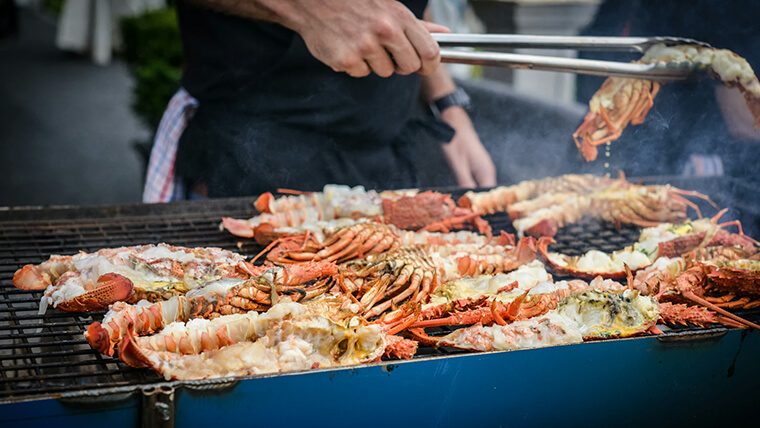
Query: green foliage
[
  {"x": 53, "y": 7},
  {"x": 152, "y": 48}
]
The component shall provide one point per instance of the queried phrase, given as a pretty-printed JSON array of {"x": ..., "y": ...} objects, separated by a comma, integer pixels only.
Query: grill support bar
[{"x": 158, "y": 407}]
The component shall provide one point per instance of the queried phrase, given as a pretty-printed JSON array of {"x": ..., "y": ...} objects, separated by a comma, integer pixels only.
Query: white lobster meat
[
  {"x": 92, "y": 281},
  {"x": 287, "y": 337}
]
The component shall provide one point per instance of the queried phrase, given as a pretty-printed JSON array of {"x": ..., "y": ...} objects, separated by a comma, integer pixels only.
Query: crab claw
[
  {"x": 30, "y": 277},
  {"x": 110, "y": 288}
]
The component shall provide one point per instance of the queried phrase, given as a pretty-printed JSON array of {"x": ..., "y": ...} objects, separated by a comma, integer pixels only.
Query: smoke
[{"x": 527, "y": 138}]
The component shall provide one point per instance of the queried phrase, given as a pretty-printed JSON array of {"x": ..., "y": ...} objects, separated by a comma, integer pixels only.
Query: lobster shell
[
  {"x": 110, "y": 288},
  {"x": 745, "y": 282},
  {"x": 570, "y": 270}
]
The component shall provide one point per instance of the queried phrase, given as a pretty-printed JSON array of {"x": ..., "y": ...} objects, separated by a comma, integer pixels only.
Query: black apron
[{"x": 272, "y": 116}]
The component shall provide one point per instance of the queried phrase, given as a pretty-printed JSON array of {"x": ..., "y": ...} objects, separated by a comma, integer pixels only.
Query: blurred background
[
  {"x": 83, "y": 84},
  {"x": 75, "y": 113}
]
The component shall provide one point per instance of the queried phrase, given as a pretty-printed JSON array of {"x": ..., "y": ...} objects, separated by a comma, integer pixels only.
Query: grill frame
[{"x": 193, "y": 223}]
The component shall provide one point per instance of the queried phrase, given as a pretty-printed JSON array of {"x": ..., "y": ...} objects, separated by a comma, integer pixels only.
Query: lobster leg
[
  {"x": 400, "y": 321},
  {"x": 370, "y": 298},
  {"x": 481, "y": 315},
  {"x": 416, "y": 279},
  {"x": 419, "y": 335},
  {"x": 699, "y": 300}
]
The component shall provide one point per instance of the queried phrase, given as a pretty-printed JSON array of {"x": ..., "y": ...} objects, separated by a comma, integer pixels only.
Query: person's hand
[
  {"x": 465, "y": 154},
  {"x": 363, "y": 36}
]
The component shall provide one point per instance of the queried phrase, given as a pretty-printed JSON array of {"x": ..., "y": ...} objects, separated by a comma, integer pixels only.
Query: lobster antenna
[
  {"x": 718, "y": 216},
  {"x": 689, "y": 203},
  {"x": 696, "y": 195}
]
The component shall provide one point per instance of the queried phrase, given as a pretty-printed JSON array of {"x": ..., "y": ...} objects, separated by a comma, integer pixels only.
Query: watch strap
[{"x": 456, "y": 98}]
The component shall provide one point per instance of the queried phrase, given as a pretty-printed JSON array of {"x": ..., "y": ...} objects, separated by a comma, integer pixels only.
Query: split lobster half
[
  {"x": 621, "y": 101},
  {"x": 288, "y": 336},
  {"x": 92, "y": 281},
  {"x": 593, "y": 263},
  {"x": 338, "y": 206},
  {"x": 540, "y": 207},
  {"x": 582, "y": 315},
  {"x": 525, "y": 293},
  {"x": 211, "y": 300},
  {"x": 703, "y": 284},
  {"x": 665, "y": 240},
  {"x": 364, "y": 239},
  {"x": 640, "y": 205}
]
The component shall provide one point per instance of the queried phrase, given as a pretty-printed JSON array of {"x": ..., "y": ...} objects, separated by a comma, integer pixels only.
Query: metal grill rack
[{"x": 46, "y": 355}]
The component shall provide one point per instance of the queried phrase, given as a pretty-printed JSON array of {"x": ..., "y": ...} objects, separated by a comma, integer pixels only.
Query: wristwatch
[{"x": 456, "y": 98}]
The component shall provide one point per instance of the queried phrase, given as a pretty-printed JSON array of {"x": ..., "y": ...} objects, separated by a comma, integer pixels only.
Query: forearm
[
  {"x": 352, "y": 36},
  {"x": 437, "y": 84}
]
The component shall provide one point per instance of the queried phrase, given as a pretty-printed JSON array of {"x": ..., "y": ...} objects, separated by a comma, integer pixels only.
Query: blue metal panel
[
  {"x": 634, "y": 382},
  {"x": 53, "y": 413},
  {"x": 637, "y": 382}
]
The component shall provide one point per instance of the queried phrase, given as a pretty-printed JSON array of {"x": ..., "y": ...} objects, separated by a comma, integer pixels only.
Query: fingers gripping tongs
[{"x": 659, "y": 71}]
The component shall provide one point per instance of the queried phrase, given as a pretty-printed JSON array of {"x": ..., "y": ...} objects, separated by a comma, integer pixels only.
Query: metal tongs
[{"x": 659, "y": 71}]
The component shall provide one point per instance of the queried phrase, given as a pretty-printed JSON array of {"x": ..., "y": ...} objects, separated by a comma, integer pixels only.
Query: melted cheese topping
[
  {"x": 214, "y": 288},
  {"x": 746, "y": 264},
  {"x": 651, "y": 237}
]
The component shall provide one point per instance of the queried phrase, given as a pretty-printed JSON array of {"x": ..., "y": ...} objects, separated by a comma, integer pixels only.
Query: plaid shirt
[
  {"x": 703, "y": 166},
  {"x": 161, "y": 184}
]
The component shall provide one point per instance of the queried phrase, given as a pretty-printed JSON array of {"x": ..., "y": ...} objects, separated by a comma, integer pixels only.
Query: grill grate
[{"x": 45, "y": 355}]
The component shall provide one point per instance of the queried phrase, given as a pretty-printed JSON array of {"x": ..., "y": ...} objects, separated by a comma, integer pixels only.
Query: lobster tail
[
  {"x": 130, "y": 352},
  {"x": 30, "y": 277},
  {"x": 98, "y": 338}
]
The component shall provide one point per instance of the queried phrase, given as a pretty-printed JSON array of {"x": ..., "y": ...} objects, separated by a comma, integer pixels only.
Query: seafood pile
[
  {"x": 289, "y": 336},
  {"x": 339, "y": 206},
  {"x": 621, "y": 101},
  {"x": 349, "y": 286},
  {"x": 540, "y": 207}
]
